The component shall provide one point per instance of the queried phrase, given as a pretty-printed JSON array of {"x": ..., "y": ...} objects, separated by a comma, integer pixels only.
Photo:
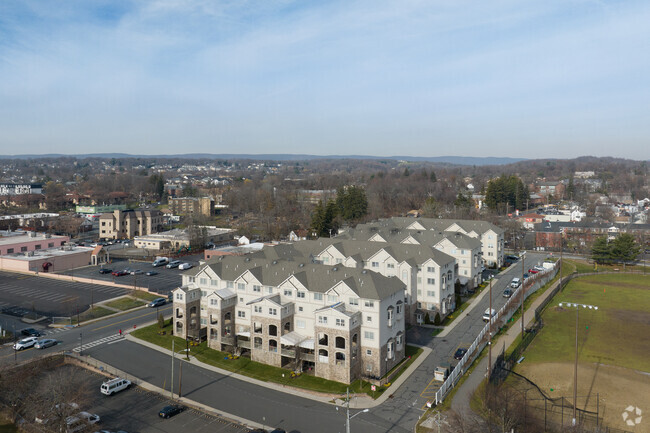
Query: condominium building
[
  {"x": 339, "y": 323},
  {"x": 491, "y": 237},
  {"x": 125, "y": 224}
]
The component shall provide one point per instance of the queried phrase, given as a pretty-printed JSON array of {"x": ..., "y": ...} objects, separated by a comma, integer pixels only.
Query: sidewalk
[{"x": 461, "y": 399}]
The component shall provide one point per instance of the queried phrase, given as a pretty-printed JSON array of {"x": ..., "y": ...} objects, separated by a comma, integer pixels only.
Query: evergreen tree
[
  {"x": 624, "y": 248},
  {"x": 433, "y": 178},
  {"x": 352, "y": 203},
  {"x": 506, "y": 191},
  {"x": 601, "y": 250}
]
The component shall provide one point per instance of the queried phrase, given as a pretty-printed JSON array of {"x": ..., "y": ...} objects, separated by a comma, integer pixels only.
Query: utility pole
[
  {"x": 81, "y": 344},
  {"x": 172, "y": 381},
  {"x": 523, "y": 291},
  {"x": 489, "y": 341}
]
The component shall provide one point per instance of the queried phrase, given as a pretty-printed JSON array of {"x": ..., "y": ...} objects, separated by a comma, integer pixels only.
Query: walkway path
[{"x": 461, "y": 399}]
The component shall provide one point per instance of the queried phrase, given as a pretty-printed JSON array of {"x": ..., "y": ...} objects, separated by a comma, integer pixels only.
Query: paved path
[{"x": 461, "y": 399}]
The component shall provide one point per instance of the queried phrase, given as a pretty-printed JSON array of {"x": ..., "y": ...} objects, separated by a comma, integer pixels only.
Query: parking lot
[
  {"x": 20, "y": 294},
  {"x": 136, "y": 410},
  {"x": 163, "y": 282}
]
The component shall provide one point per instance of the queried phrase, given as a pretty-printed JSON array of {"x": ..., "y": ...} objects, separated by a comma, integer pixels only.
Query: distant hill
[{"x": 456, "y": 160}]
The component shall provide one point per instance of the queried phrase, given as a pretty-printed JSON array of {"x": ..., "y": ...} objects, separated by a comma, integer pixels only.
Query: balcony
[
  {"x": 291, "y": 353},
  {"x": 246, "y": 344}
]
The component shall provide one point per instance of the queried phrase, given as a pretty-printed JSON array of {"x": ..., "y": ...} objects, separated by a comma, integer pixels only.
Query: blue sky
[{"x": 513, "y": 78}]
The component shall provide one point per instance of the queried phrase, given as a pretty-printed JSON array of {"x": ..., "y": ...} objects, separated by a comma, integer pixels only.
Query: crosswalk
[{"x": 109, "y": 339}]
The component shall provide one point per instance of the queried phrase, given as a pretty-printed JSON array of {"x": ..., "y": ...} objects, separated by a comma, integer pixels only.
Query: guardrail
[{"x": 504, "y": 314}]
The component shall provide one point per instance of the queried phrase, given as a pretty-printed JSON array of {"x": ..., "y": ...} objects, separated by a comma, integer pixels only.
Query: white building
[{"x": 340, "y": 323}]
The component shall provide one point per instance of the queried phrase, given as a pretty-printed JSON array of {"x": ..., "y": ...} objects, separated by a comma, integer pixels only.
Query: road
[{"x": 398, "y": 413}]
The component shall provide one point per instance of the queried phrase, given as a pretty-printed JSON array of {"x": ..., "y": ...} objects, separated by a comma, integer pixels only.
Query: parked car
[
  {"x": 119, "y": 273},
  {"x": 170, "y": 410},
  {"x": 488, "y": 314},
  {"x": 173, "y": 264},
  {"x": 160, "y": 261},
  {"x": 136, "y": 272},
  {"x": 184, "y": 266},
  {"x": 150, "y": 273},
  {"x": 460, "y": 353},
  {"x": 532, "y": 271},
  {"x": 112, "y": 386},
  {"x": 538, "y": 268},
  {"x": 516, "y": 282},
  {"x": 30, "y": 332},
  {"x": 25, "y": 343},
  {"x": 157, "y": 302},
  {"x": 90, "y": 418},
  {"x": 105, "y": 271},
  {"x": 46, "y": 342},
  {"x": 507, "y": 293}
]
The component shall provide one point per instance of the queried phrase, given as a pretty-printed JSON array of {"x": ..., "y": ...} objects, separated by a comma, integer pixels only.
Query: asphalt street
[{"x": 399, "y": 413}]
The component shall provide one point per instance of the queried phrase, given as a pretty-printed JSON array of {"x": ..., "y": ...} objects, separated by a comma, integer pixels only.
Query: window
[
  {"x": 269, "y": 290},
  {"x": 37, "y": 247},
  {"x": 369, "y": 319},
  {"x": 464, "y": 261},
  {"x": 332, "y": 298},
  {"x": 288, "y": 292},
  {"x": 369, "y": 304},
  {"x": 399, "y": 308},
  {"x": 23, "y": 249},
  {"x": 10, "y": 251},
  {"x": 191, "y": 279},
  {"x": 390, "y": 265},
  {"x": 300, "y": 294},
  {"x": 50, "y": 245},
  {"x": 241, "y": 314},
  {"x": 354, "y": 301},
  {"x": 214, "y": 282},
  {"x": 431, "y": 281},
  {"x": 214, "y": 302},
  {"x": 241, "y": 286},
  {"x": 340, "y": 322},
  {"x": 300, "y": 308},
  {"x": 322, "y": 320},
  {"x": 203, "y": 281},
  {"x": 431, "y": 293},
  {"x": 179, "y": 296},
  {"x": 431, "y": 269},
  {"x": 230, "y": 284},
  {"x": 273, "y": 311},
  {"x": 257, "y": 308},
  {"x": 326, "y": 260},
  {"x": 204, "y": 321},
  {"x": 369, "y": 335},
  {"x": 368, "y": 352},
  {"x": 300, "y": 324},
  {"x": 368, "y": 367},
  {"x": 339, "y": 261},
  {"x": 204, "y": 293},
  {"x": 375, "y": 264},
  {"x": 318, "y": 296}
]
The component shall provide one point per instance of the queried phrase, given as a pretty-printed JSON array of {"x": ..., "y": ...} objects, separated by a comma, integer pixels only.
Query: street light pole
[
  {"x": 347, "y": 412},
  {"x": 575, "y": 366},
  {"x": 81, "y": 344},
  {"x": 490, "y": 335}
]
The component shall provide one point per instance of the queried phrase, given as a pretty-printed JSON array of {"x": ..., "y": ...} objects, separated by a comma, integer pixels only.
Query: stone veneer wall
[
  {"x": 263, "y": 355},
  {"x": 216, "y": 343}
]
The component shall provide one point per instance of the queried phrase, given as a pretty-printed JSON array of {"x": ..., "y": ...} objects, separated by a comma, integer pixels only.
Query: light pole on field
[
  {"x": 575, "y": 367},
  {"x": 523, "y": 290}
]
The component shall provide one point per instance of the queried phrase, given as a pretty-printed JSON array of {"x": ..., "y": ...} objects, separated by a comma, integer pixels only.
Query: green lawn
[
  {"x": 125, "y": 303},
  {"x": 615, "y": 334},
  {"x": 146, "y": 296},
  {"x": 257, "y": 370}
]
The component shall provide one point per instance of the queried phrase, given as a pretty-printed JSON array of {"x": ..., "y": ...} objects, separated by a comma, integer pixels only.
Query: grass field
[
  {"x": 125, "y": 303},
  {"x": 613, "y": 335},
  {"x": 613, "y": 346}
]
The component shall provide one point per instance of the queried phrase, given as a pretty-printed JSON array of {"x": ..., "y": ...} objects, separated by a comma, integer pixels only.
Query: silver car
[{"x": 46, "y": 342}]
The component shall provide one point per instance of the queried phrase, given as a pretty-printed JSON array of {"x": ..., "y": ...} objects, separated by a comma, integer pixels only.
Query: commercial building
[
  {"x": 197, "y": 236},
  {"x": 126, "y": 224},
  {"x": 22, "y": 242},
  {"x": 192, "y": 206},
  {"x": 20, "y": 188},
  {"x": 48, "y": 260},
  {"x": 338, "y": 323}
]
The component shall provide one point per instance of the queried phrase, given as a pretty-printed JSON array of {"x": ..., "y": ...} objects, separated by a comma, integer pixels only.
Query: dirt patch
[{"x": 608, "y": 388}]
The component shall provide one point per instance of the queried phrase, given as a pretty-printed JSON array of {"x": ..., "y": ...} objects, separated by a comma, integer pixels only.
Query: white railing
[{"x": 504, "y": 313}]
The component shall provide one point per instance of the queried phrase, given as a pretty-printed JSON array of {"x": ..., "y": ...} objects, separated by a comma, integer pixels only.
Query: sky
[{"x": 526, "y": 79}]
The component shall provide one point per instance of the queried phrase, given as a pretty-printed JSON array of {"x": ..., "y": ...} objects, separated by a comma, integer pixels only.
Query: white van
[
  {"x": 114, "y": 385},
  {"x": 516, "y": 282},
  {"x": 160, "y": 261},
  {"x": 487, "y": 315}
]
